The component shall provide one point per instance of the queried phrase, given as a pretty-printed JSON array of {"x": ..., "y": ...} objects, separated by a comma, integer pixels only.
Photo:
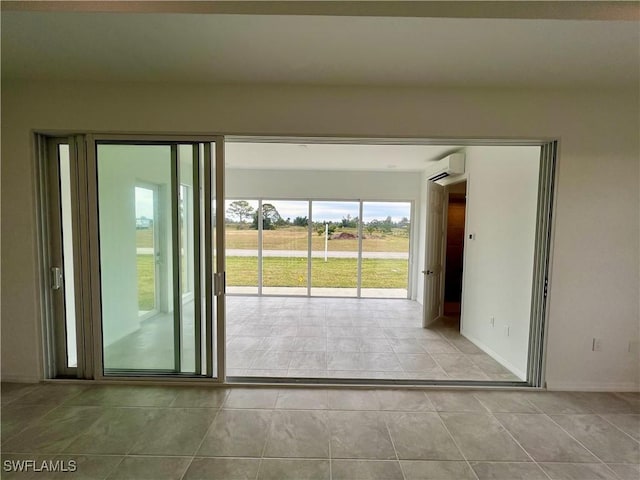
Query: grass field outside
[
  {"x": 292, "y": 271},
  {"x": 146, "y": 283},
  {"x": 295, "y": 238},
  {"x": 335, "y": 273}
]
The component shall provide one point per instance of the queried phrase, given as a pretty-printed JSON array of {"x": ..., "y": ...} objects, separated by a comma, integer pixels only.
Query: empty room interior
[{"x": 332, "y": 240}]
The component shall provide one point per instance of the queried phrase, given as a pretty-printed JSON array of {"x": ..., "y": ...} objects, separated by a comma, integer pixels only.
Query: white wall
[
  {"x": 502, "y": 190},
  {"x": 595, "y": 267},
  {"x": 322, "y": 185}
]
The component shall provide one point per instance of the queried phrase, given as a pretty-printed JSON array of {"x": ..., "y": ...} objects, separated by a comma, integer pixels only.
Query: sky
[
  {"x": 336, "y": 211},
  {"x": 322, "y": 210},
  {"x": 144, "y": 202}
]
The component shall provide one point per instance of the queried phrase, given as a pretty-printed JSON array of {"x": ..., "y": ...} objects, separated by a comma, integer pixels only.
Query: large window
[
  {"x": 318, "y": 248},
  {"x": 242, "y": 236},
  {"x": 334, "y": 248},
  {"x": 284, "y": 247},
  {"x": 385, "y": 248}
]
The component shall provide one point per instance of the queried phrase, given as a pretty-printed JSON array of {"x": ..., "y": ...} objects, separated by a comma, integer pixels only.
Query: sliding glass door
[{"x": 160, "y": 268}]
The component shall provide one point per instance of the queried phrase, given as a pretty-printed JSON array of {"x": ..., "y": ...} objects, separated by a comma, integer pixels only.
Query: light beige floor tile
[
  {"x": 298, "y": 434},
  {"x": 294, "y": 469},
  {"x": 223, "y": 468},
  {"x": 366, "y": 470},
  {"x": 205, "y": 397},
  {"x": 359, "y": 435},
  {"x": 303, "y": 399},
  {"x": 604, "y": 402},
  {"x": 150, "y": 468},
  {"x": 558, "y": 402},
  {"x": 404, "y": 400},
  {"x": 421, "y": 436},
  {"x": 481, "y": 437},
  {"x": 252, "y": 398},
  {"x": 125, "y": 395},
  {"x": 355, "y": 399},
  {"x": 578, "y": 471},
  {"x": 440, "y": 470},
  {"x": 601, "y": 438},
  {"x": 508, "y": 471},
  {"x": 16, "y": 417},
  {"x": 54, "y": 432},
  {"x": 237, "y": 433},
  {"x": 115, "y": 432},
  {"x": 543, "y": 439},
  {"x": 456, "y": 402},
  {"x": 505, "y": 402},
  {"x": 630, "y": 424},
  {"x": 174, "y": 431},
  {"x": 626, "y": 471}
]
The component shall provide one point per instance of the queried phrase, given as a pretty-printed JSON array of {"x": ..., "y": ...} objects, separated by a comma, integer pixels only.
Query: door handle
[
  {"x": 56, "y": 278},
  {"x": 427, "y": 272},
  {"x": 219, "y": 283}
]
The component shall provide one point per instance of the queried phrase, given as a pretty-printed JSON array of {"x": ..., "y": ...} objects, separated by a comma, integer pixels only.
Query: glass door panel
[
  {"x": 385, "y": 249},
  {"x": 157, "y": 257},
  {"x": 61, "y": 260},
  {"x": 334, "y": 249},
  {"x": 147, "y": 252},
  {"x": 187, "y": 247},
  {"x": 285, "y": 247},
  {"x": 128, "y": 276},
  {"x": 241, "y": 219}
]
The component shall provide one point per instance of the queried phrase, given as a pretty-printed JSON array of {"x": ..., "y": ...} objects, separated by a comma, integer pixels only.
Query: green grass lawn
[
  {"x": 290, "y": 272},
  {"x": 335, "y": 273},
  {"x": 295, "y": 238},
  {"x": 144, "y": 237},
  {"x": 146, "y": 283}
]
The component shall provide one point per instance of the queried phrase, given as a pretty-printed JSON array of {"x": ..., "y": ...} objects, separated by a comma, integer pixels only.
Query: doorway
[
  {"x": 166, "y": 190},
  {"x": 454, "y": 248}
]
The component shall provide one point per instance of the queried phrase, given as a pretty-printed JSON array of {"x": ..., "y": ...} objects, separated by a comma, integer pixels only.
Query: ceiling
[
  {"x": 320, "y": 49},
  {"x": 323, "y": 156}
]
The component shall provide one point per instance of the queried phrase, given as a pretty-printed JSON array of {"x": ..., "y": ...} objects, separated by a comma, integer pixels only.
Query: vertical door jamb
[
  {"x": 197, "y": 266},
  {"x": 208, "y": 257},
  {"x": 537, "y": 329},
  {"x": 220, "y": 259},
  {"x": 57, "y": 325},
  {"x": 177, "y": 258}
]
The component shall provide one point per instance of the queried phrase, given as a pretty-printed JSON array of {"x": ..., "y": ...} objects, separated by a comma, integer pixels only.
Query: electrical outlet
[
  {"x": 492, "y": 321},
  {"x": 634, "y": 346},
  {"x": 507, "y": 330},
  {"x": 596, "y": 345}
]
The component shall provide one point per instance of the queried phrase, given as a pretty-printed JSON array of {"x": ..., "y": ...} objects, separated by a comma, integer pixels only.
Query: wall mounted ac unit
[{"x": 448, "y": 166}]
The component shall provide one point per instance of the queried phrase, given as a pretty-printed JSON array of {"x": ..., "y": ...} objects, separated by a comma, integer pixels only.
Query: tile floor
[
  {"x": 349, "y": 338},
  {"x": 197, "y": 432}
]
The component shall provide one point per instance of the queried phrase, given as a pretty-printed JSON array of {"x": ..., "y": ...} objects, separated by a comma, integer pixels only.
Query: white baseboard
[
  {"x": 498, "y": 358},
  {"x": 20, "y": 378},
  {"x": 593, "y": 386}
]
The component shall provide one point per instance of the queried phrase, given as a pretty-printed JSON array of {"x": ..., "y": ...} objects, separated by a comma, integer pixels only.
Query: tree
[
  {"x": 240, "y": 210},
  {"x": 386, "y": 225},
  {"x": 300, "y": 221},
  {"x": 349, "y": 222},
  {"x": 321, "y": 229},
  {"x": 270, "y": 218}
]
